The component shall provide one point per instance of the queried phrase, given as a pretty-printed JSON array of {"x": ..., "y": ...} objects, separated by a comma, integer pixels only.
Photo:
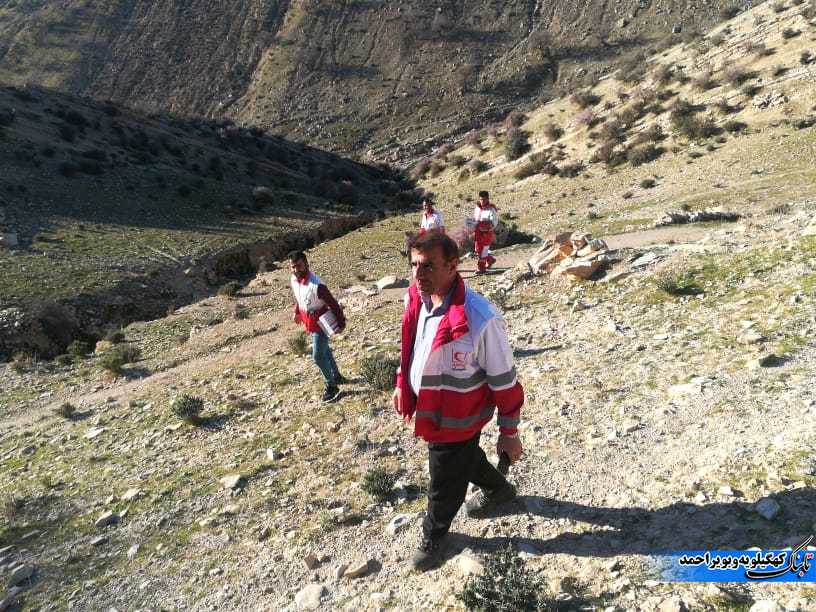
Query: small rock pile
[{"x": 577, "y": 254}]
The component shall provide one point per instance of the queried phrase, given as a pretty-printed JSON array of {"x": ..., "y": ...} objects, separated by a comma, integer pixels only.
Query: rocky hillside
[
  {"x": 102, "y": 204},
  {"x": 669, "y": 396},
  {"x": 343, "y": 75}
]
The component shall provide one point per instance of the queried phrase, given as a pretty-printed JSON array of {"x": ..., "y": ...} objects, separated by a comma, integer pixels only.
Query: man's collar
[
  {"x": 304, "y": 280},
  {"x": 443, "y": 307}
]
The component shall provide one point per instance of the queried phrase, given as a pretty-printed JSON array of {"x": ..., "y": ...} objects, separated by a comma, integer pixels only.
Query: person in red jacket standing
[
  {"x": 321, "y": 315},
  {"x": 456, "y": 369},
  {"x": 486, "y": 217},
  {"x": 431, "y": 219}
]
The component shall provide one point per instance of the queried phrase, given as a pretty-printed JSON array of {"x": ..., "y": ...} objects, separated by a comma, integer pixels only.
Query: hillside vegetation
[
  {"x": 104, "y": 205},
  {"x": 668, "y": 398},
  {"x": 342, "y": 75}
]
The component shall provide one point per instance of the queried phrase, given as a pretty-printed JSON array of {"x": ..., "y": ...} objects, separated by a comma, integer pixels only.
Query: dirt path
[{"x": 252, "y": 349}]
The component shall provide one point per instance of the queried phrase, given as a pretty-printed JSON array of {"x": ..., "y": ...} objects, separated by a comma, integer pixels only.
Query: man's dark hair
[
  {"x": 294, "y": 256},
  {"x": 436, "y": 239},
  {"x": 484, "y": 194}
]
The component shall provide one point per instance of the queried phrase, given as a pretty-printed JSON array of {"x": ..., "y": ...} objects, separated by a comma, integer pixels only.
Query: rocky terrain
[
  {"x": 669, "y": 397},
  {"x": 342, "y": 75}
]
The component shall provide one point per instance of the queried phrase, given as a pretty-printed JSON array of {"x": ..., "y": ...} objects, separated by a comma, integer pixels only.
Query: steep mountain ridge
[{"x": 341, "y": 74}]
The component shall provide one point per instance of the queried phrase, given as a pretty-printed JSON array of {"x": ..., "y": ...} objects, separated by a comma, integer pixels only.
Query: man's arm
[
  {"x": 324, "y": 294},
  {"x": 495, "y": 356}
]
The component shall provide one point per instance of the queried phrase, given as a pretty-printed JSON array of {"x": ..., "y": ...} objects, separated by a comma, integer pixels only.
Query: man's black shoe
[
  {"x": 480, "y": 504},
  {"x": 331, "y": 394},
  {"x": 340, "y": 380},
  {"x": 427, "y": 555}
]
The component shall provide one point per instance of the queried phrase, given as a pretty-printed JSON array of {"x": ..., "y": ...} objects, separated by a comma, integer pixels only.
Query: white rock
[
  {"x": 765, "y": 605},
  {"x": 398, "y": 523},
  {"x": 468, "y": 565},
  {"x": 767, "y": 507},
  {"x": 20, "y": 574},
  {"x": 131, "y": 494},
  {"x": 357, "y": 570},
  {"x": 231, "y": 481},
  {"x": 273, "y": 455},
  {"x": 94, "y": 432},
  {"x": 308, "y": 598},
  {"x": 106, "y": 518},
  {"x": 133, "y": 551},
  {"x": 391, "y": 282}
]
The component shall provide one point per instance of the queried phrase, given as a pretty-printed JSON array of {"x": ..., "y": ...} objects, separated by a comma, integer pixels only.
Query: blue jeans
[{"x": 323, "y": 357}]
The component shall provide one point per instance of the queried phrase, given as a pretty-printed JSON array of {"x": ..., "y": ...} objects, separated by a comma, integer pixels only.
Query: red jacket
[
  {"x": 468, "y": 374},
  {"x": 312, "y": 299}
]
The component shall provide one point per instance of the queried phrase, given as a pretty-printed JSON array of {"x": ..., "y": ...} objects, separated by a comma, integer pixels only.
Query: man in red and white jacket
[
  {"x": 312, "y": 300},
  {"x": 431, "y": 219},
  {"x": 487, "y": 217},
  {"x": 456, "y": 369}
]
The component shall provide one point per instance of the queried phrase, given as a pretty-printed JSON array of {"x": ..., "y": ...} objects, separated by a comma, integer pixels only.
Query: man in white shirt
[{"x": 431, "y": 219}]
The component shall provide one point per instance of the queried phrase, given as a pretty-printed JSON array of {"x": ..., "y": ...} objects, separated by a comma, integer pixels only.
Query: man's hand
[
  {"x": 396, "y": 399},
  {"x": 510, "y": 445}
]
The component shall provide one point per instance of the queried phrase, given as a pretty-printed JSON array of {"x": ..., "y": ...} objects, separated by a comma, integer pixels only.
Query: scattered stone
[
  {"x": 274, "y": 455},
  {"x": 308, "y": 598},
  {"x": 107, "y": 518},
  {"x": 94, "y": 432},
  {"x": 398, "y": 523},
  {"x": 750, "y": 337},
  {"x": 767, "y": 508},
  {"x": 232, "y": 481},
  {"x": 696, "y": 216},
  {"x": 468, "y": 565},
  {"x": 357, "y": 571},
  {"x": 102, "y": 346},
  {"x": 132, "y": 552},
  {"x": 311, "y": 561},
  {"x": 131, "y": 494},
  {"x": 765, "y": 605},
  {"x": 391, "y": 282},
  {"x": 340, "y": 571},
  {"x": 575, "y": 254},
  {"x": 99, "y": 540},
  {"x": 20, "y": 574},
  {"x": 673, "y": 604},
  {"x": 726, "y": 491}
]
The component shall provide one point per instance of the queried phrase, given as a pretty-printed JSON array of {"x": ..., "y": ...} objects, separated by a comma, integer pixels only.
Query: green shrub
[
  {"x": 230, "y": 289},
  {"x": 553, "y": 131},
  {"x": 693, "y": 128},
  {"x": 379, "y": 372},
  {"x": 299, "y": 343},
  {"x": 705, "y": 81},
  {"x": 571, "y": 170},
  {"x": 806, "y": 58},
  {"x": 437, "y": 167},
  {"x": 477, "y": 166},
  {"x": 734, "y": 127},
  {"x": 677, "y": 283},
  {"x": 79, "y": 348},
  {"x": 421, "y": 169},
  {"x": 188, "y": 408},
  {"x": 584, "y": 99},
  {"x": 789, "y": 33},
  {"x": 779, "y": 7},
  {"x": 515, "y": 143},
  {"x": 643, "y": 154},
  {"x": 648, "y": 183},
  {"x": 506, "y": 585},
  {"x": 738, "y": 76},
  {"x": 12, "y": 507},
  {"x": 457, "y": 161},
  {"x": 379, "y": 482},
  {"x": 240, "y": 312},
  {"x": 729, "y": 12},
  {"x": 514, "y": 119},
  {"x": 115, "y": 336},
  {"x": 263, "y": 195},
  {"x": 66, "y": 411}
]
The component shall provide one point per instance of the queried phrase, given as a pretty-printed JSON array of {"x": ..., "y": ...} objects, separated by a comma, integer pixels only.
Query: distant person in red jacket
[
  {"x": 321, "y": 315},
  {"x": 431, "y": 219},
  {"x": 486, "y": 217},
  {"x": 456, "y": 370}
]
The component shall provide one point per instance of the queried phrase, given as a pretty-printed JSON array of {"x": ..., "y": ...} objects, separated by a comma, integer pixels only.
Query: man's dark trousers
[{"x": 452, "y": 466}]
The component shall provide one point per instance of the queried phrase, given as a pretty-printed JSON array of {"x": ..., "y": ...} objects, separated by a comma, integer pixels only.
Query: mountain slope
[
  {"x": 98, "y": 203},
  {"x": 341, "y": 74}
]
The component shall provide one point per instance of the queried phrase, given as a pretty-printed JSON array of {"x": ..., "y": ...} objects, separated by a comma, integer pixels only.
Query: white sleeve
[{"x": 495, "y": 356}]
